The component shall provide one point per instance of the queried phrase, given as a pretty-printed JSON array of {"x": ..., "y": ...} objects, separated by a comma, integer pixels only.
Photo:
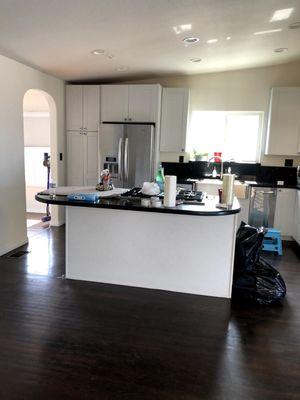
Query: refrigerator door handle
[
  {"x": 120, "y": 169},
  {"x": 126, "y": 159}
]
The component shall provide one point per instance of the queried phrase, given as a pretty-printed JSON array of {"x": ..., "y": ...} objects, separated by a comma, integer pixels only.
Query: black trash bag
[
  {"x": 262, "y": 285},
  {"x": 248, "y": 246}
]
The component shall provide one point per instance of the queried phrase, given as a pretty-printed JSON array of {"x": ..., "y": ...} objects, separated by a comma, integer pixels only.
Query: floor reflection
[{"x": 46, "y": 247}]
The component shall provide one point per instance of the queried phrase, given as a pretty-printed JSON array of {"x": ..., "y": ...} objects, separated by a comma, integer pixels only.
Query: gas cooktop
[{"x": 184, "y": 196}]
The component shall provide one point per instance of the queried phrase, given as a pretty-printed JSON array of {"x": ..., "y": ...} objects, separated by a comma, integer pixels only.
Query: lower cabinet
[
  {"x": 297, "y": 218},
  {"x": 82, "y": 158},
  {"x": 284, "y": 211}
]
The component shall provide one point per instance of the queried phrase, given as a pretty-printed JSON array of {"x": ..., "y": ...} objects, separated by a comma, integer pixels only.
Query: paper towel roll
[
  {"x": 228, "y": 187},
  {"x": 170, "y": 191}
]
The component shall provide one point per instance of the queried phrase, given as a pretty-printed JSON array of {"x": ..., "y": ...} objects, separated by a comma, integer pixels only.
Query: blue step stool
[{"x": 272, "y": 241}]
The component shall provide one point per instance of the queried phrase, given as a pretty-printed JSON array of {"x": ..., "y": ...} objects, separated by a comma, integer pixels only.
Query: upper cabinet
[
  {"x": 82, "y": 107},
  {"x": 130, "y": 103},
  {"x": 114, "y": 103},
  {"x": 174, "y": 119},
  {"x": 283, "y": 137}
]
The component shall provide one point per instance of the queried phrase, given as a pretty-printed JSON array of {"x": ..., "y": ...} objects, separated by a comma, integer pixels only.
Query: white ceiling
[{"x": 58, "y": 36}]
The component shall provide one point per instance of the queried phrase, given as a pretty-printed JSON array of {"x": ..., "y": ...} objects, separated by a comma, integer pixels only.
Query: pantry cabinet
[
  {"x": 283, "y": 134},
  {"x": 297, "y": 218},
  {"x": 284, "y": 215},
  {"x": 130, "y": 103},
  {"x": 82, "y": 166},
  {"x": 174, "y": 119},
  {"x": 82, "y": 107}
]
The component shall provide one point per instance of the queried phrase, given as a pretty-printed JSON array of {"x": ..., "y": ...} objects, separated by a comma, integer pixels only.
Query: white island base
[{"x": 180, "y": 253}]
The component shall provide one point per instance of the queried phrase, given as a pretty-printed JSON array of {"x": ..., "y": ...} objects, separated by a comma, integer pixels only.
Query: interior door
[
  {"x": 138, "y": 155},
  {"x": 74, "y": 107},
  {"x": 114, "y": 103},
  {"x": 75, "y": 164},
  {"x": 91, "y": 107}
]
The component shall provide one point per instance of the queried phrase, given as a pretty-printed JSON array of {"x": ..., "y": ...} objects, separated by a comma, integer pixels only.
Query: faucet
[
  {"x": 222, "y": 164},
  {"x": 220, "y": 159}
]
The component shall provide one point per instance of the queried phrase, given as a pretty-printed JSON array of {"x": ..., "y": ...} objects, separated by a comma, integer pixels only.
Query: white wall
[
  {"x": 15, "y": 80},
  {"x": 243, "y": 90}
]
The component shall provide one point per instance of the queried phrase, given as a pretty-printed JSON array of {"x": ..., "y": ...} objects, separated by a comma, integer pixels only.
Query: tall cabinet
[
  {"x": 82, "y": 121},
  {"x": 283, "y": 137}
]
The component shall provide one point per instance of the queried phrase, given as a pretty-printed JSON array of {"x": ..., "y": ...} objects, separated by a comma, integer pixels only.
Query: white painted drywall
[
  {"x": 242, "y": 90},
  {"x": 15, "y": 80}
]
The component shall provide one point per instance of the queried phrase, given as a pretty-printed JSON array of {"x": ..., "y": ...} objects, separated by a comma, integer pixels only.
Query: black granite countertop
[
  {"x": 272, "y": 185},
  {"x": 134, "y": 204}
]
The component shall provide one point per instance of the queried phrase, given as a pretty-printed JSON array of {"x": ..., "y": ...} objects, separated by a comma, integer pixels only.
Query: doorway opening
[{"x": 39, "y": 140}]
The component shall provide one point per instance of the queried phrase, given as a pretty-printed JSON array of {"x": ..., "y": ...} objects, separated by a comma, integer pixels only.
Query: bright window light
[
  {"x": 236, "y": 134},
  {"x": 280, "y": 15},
  {"x": 182, "y": 28}
]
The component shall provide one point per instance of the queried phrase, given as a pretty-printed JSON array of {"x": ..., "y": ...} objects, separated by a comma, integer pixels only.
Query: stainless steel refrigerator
[{"x": 127, "y": 150}]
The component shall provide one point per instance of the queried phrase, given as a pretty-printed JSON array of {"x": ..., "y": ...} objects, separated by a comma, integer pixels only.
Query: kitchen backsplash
[{"x": 255, "y": 172}]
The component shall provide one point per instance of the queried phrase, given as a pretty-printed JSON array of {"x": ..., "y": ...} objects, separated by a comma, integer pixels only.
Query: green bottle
[{"x": 160, "y": 178}]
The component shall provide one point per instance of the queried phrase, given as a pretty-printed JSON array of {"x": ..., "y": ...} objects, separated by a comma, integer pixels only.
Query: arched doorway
[{"x": 40, "y": 138}]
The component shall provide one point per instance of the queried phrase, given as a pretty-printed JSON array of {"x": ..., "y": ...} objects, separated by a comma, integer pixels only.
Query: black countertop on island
[{"x": 134, "y": 204}]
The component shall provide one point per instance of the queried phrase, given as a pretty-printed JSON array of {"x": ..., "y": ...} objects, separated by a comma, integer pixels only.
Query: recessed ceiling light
[
  {"x": 280, "y": 50},
  {"x": 294, "y": 25},
  {"x": 280, "y": 15},
  {"x": 98, "y": 52},
  {"x": 195, "y": 60},
  {"x": 121, "y": 69},
  {"x": 182, "y": 28},
  {"x": 267, "y": 32},
  {"x": 212, "y": 41},
  {"x": 190, "y": 40},
  {"x": 228, "y": 38}
]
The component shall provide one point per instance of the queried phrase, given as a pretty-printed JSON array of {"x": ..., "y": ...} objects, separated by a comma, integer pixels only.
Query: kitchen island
[{"x": 188, "y": 248}]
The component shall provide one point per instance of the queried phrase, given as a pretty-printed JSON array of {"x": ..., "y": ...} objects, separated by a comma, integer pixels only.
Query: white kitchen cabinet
[
  {"x": 297, "y": 218},
  {"x": 82, "y": 154},
  {"x": 143, "y": 103},
  {"x": 174, "y": 119},
  {"x": 284, "y": 211},
  {"x": 114, "y": 103},
  {"x": 130, "y": 103},
  {"x": 82, "y": 107},
  {"x": 283, "y": 137}
]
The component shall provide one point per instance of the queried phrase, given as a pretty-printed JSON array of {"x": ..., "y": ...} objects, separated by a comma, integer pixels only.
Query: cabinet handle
[
  {"x": 125, "y": 119},
  {"x": 129, "y": 119}
]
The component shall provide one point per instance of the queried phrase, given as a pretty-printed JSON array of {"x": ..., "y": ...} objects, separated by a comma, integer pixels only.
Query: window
[{"x": 236, "y": 134}]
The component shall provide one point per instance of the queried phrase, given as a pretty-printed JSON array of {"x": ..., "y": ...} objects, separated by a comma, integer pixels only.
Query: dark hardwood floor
[{"x": 64, "y": 339}]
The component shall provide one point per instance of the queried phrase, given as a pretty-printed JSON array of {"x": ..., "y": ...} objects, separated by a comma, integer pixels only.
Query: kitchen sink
[{"x": 211, "y": 186}]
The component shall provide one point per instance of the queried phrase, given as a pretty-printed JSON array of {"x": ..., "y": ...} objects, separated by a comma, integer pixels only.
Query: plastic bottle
[
  {"x": 214, "y": 173},
  {"x": 160, "y": 178}
]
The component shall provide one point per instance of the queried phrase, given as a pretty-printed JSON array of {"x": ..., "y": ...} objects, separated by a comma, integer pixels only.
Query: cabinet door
[
  {"x": 284, "y": 122},
  {"x": 284, "y": 211},
  {"x": 143, "y": 103},
  {"x": 75, "y": 157},
  {"x": 114, "y": 103},
  {"x": 173, "y": 119},
  {"x": 91, "y": 107},
  {"x": 74, "y": 107},
  {"x": 297, "y": 218},
  {"x": 91, "y": 158}
]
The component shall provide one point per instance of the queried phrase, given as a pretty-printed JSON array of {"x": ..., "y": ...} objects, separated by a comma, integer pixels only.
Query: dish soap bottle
[
  {"x": 214, "y": 173},
  {"x": 160, "y": 178}
]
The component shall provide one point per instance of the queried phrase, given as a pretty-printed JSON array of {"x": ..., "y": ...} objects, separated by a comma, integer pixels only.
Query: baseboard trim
[{"x": 8, "y": 248}]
